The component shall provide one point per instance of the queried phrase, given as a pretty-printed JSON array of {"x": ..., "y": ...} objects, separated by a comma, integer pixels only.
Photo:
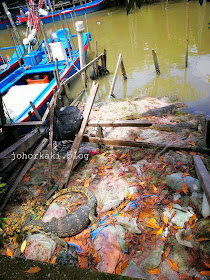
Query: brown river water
[{"x": 134, "y": 36}]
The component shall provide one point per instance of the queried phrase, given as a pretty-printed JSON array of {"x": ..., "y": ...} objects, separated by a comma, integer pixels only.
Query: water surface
[{"x": 135, "y": 35}]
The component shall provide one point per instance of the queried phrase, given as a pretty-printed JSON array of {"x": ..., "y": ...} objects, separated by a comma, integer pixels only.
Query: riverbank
[{"x": 151, "y": 223}]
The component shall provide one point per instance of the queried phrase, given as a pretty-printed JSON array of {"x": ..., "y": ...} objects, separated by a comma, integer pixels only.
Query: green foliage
[
  {"x": 1, "y": 221},
  {"x": 2, "y": 185}
]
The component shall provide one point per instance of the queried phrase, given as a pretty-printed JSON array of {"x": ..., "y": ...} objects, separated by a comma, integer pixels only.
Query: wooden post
[
  {"x": 13, "y": 25},
  {"x": 86, "y": 22},
  {"x": 123, "y": 70},
  {"x": 187, "y": 33},
  {"x": 70, "y": 35},
  {"x": 67, "y": 92},
  {"x": 166, "y": 5},
  {"x": 57, "y": 72},
  {"x": 36, "y": 112},
  {"x": 64, "y": 30},
  {"x": 203, "y": 175},
  {"x": 51, "y": 111},
  {"x": 11, "y": 37},
  {"x": 156, "y": 62},
  {"x": 57, "y": 79},
  {"x": 45, "y": 40},
  {"x": 78, "y": 139},
  {"x": 30, "y": 116},
  {"x": 206, "y": 136},
  {"x": 2, "y": 116},
  {"x": 89, "y": 46},
  {"x": 119, "y": 63},
  {"x": 96, "y": 51}
]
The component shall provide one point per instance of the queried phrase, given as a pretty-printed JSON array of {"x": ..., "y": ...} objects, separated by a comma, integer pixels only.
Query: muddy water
[{"x": 152, "y": 27}]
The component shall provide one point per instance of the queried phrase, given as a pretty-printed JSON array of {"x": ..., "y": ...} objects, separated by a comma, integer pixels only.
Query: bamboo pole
[
  {"x": 187, "y": 33},
  {"x": 119, "y": 63},
  {"x": 96, "y": 51},
  {"x": 13, "y": 25},
  {"x": 70, "y": 34},
  {"x": 13, "y": 42},
  {"x": 45, "y": 40},
  {"x": 64, "y": 30},
  {"x": 157, "y": 68}
]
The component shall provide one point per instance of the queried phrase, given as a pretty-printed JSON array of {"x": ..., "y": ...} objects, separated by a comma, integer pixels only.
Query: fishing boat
[
  {"x": 7, "y": 67},
  {"x": 79, "y": 10},
  {"x": 35, "y": 81}
]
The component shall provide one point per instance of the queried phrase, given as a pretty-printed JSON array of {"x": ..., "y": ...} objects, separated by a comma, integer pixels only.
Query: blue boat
[
  {"x": 6, "y": 68},
  {"x": 80, "y": 10},
  {"x": 35, "y": 81}
]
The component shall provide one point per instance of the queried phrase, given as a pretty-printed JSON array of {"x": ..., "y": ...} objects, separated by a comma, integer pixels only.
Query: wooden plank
[
  {"x": 141, "y": 144},
  {"x": 78, "y": 138},
  {"x": 124, "y": 123},
  {"x": 24, "y": 170},
  {"x": 22, "y": 145},
  {"x": 22, "y": 124},
  {"x": 203, "y": 175},
  {"x": 83, "y": 69}
]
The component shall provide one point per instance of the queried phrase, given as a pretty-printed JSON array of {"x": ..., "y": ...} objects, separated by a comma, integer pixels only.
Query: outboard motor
[
  {"x": 66, "y": 124},
  {"x": 54, "y": 37}
]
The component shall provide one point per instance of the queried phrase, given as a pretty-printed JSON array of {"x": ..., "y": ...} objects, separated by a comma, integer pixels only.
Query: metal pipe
[{"x": 79, "y": 29}]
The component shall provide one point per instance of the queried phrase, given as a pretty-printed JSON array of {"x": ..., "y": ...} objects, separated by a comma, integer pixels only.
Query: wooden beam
[
  {"x": 24, "y": 170},
  {"x": 22, "y": 145},
  {"x": 124, "y": 123},
  {"x": 78, "y": 139},
  {"x": 141, "y": 144},
  {"x": 83, "y": 69},
  {"x": 203, "y": 175},
  {"x": 22, "y": 124}
]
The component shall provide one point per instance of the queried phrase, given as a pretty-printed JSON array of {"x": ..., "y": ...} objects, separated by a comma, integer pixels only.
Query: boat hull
[
  {"x": 91, "y": 7},
  {"x": 41, "y": 104},
  {"x": 4, "y": 23}
]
